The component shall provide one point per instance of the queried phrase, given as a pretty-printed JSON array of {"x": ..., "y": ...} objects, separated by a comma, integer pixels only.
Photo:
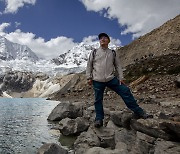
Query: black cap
[{"x": 103, "y": 34}]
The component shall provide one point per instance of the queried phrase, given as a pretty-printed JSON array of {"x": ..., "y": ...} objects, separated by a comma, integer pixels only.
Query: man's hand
[
  {"x": 122, "y": 82},
  {"x": 89, "y": 82}
]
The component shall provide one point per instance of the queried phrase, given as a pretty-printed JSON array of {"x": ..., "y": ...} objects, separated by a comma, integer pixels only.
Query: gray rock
[
  {"x": 65, "y": 110},
  {"x": 172, "y": 128},
  {"x": 121, "y": 118},
  {"x": 128, "y": 137},
  {"x": 73, "y": 126},
  {"x": 99, "y": 150},
  {"x": 150, "y": 127},
  {"x": 167, "y": 147},
  {"x": 85, "y": 141},
  {"x": 116, "y": 117},
  {"x": 106, "y": 137},
  {"x": 143, "y": 144},
  {"x": 51, "y": 148}
]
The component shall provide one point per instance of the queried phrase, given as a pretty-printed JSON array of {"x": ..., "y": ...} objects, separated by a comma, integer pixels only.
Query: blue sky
[{"x": 51, "y": 27}]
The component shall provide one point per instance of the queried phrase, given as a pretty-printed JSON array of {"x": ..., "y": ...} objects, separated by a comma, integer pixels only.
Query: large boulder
[
  {"x": 73, "y": 126},
  {"x": 121, "y": 118},
  {"x": 151, "y": 127},
  {"x": 66, "y": 110}
]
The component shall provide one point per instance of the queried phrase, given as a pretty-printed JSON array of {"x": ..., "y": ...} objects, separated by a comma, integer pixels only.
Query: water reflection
[{"x": 23, "y": 124}]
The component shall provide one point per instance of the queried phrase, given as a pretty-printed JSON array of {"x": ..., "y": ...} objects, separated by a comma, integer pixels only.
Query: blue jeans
[{"x": 121, "y": 90}]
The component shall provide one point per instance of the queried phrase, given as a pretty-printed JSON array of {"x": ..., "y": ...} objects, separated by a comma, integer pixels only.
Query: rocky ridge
[{"x": 161, "y": 41}]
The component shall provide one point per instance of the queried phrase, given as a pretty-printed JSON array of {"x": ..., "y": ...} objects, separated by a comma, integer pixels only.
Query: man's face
[{"x": 104, "y": 41}]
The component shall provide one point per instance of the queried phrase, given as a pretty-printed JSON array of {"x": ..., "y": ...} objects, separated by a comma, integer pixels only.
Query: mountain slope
[
  {"x": 11, "y": 51},
  {"x": 161, "y": 41}
]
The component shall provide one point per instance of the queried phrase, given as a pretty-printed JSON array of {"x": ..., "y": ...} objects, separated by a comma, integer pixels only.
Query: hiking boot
[
  {"x": 144, "y": 115},
  {"x": 98, "y": 123}
]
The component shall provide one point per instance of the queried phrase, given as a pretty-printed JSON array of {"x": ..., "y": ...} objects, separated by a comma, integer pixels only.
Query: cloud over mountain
[{"x": 138, "y": 16}]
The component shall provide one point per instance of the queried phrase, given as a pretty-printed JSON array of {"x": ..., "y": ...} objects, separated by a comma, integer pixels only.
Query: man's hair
[{"x": 103, "y": 34}]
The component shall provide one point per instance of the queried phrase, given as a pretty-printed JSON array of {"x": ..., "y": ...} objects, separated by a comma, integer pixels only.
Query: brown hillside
[{"x": 161, "y": 41}]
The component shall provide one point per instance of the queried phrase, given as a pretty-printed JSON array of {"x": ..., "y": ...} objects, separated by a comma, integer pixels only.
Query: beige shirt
[{"x": 101, "y": 67}]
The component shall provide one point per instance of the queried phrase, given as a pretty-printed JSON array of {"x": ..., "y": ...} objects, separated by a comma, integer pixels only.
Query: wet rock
[
  {"x": 73, "y": 126},
  {"x": 65, "y": 110},
  {"x": 51, "y": 148}
]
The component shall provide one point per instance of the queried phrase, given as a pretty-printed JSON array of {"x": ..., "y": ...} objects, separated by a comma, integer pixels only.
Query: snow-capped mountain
[
  {"x": 11, "y": 51},
  {"x": 78, "y": 55},
  {"x": 15, "y": 57}
]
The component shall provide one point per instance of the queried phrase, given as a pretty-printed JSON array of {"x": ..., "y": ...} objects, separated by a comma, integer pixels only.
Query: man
[{"x": 101, "y": 66}]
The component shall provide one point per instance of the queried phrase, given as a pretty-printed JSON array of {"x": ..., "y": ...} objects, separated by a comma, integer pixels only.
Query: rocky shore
[{"x": 122, "y": 132}]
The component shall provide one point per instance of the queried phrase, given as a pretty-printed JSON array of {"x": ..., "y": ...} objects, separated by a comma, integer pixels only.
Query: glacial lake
[{"x": 24, "y": 126}]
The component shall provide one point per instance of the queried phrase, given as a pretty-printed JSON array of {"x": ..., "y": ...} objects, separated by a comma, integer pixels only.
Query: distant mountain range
[
  {"x": 78, "y": 55},
  {"x": 14, "y": 56},
  {"x": 75, "y": 57},
  {"x": 12, "y": 51}
]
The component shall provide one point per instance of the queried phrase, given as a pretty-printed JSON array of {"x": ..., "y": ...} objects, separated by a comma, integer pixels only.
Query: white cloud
[
  {"x": 12, "y": 6},
  {"x": 3, "y": 26},
  {"x": 46, "y": 49},
  {"x": 139, "y": 16}
]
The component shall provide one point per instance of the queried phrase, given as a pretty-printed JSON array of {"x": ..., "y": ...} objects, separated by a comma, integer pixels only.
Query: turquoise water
[{"x": 24, "y": 126}]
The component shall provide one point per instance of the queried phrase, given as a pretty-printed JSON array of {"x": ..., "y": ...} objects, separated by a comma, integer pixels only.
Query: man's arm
[
  {"x": 119, "y": 70},
  {"x": 89, "y": 68}
]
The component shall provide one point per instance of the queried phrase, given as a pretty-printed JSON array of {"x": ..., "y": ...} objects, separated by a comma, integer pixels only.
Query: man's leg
[
  {"x": 126, "y": 95},
  {"x": 99, "y": 92}
]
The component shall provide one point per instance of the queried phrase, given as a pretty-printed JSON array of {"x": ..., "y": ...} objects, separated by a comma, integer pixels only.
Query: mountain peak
[{"x": 11, "y": 51}]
